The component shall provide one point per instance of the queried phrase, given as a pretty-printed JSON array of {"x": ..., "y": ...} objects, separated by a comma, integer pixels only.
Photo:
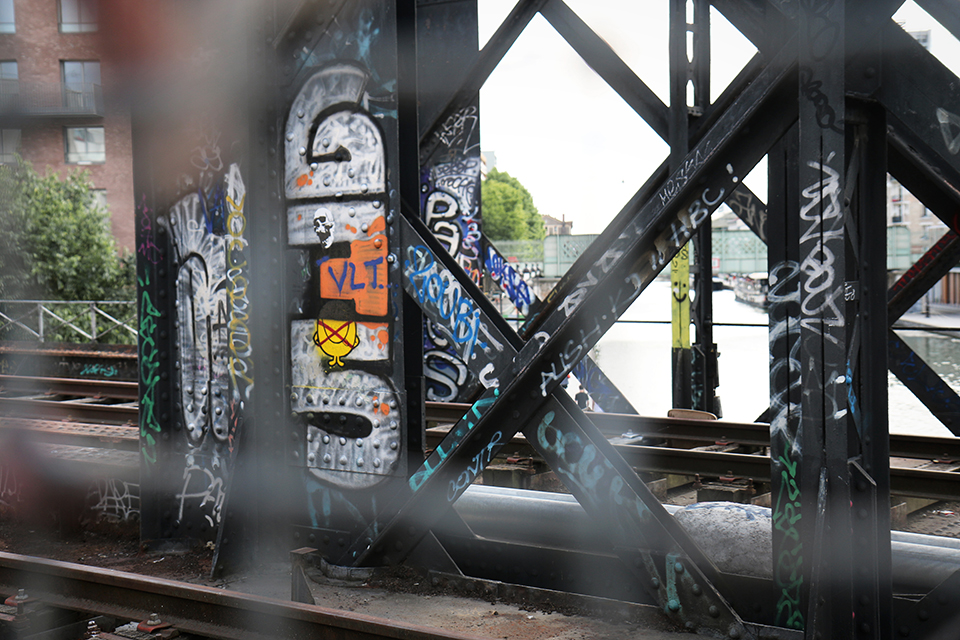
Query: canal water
[{"x": 635, "y": 354}]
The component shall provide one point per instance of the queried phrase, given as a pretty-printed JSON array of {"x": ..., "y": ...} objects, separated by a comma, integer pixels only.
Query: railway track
[
  {"x": 60, "y": 599},
  {"x": 103, "y": 414}
]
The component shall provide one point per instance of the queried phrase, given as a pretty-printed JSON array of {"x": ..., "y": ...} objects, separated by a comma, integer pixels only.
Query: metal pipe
[{"x": 557, "y": 520}]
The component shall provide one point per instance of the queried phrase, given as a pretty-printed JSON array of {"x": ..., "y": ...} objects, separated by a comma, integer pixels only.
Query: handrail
[{"x": 61, "y": 321}]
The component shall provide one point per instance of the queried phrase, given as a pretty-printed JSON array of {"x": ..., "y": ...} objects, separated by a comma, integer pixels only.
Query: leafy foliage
[
  {"x": 56, "y": 243},
  {"x": 508, "y": 209}
]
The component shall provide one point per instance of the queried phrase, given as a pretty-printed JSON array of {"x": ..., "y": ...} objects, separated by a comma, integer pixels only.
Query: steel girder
[{"x": 825, "y": 99}]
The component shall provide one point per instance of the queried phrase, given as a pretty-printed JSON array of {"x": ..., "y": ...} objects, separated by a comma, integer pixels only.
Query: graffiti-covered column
[
  {"x": 823, "y": 319},
  {"x": 345, "y": 367},
  {"x": 193, "y": 270},
  {"x": 782, "y": 233},
  {"x": 449, "y": 198}
]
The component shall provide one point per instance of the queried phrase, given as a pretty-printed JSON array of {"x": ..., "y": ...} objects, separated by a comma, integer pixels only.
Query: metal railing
[
  {"x": 50, "y": 98},
  {"x": 68, "y": 321}
]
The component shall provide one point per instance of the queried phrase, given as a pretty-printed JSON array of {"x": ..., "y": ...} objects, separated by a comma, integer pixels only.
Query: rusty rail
[{"x": 193, "y": 609}]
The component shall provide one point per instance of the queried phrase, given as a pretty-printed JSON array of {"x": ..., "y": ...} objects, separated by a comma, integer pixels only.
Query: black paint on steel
[
  {"x": 869, "y": 468},
  {"x": 679, "y": 141},
  {"x": 825, "y": 485},
  {"x": 704, "y": 365},
  {"x": 497, "y": 47},
  {"x": 778, "y": 225},
  {"x": 631, "y": 263},
  {"x": 608, "y": 65},
  {"x": 409, "y": 65},
  {"x": 602, "y": 389}
]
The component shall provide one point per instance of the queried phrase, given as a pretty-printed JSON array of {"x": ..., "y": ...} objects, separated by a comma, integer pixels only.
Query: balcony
[{"x": 49, "y": 99}]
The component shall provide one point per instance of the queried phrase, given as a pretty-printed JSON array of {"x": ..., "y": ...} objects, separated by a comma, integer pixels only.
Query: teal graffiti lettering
[
  {"x": 149, "y": 376},
  {"x": 788, "y": 573}
]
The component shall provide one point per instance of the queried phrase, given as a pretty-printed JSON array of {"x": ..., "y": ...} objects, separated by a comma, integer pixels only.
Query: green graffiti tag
[
  {"x": 788, "y": 573},
  {"x": 149, "y": 375}
]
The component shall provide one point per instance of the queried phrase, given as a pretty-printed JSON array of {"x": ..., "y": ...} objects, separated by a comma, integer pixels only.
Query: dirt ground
[{"x": 401, "y": 594}]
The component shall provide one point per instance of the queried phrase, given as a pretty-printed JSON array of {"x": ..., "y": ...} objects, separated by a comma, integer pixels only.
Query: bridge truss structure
[{"x": 313, "y": 276}]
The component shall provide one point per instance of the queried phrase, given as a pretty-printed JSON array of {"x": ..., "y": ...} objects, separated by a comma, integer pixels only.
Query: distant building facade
[
  {"x": 53, "y": 111},
  {"x": 556, "y": 227}
]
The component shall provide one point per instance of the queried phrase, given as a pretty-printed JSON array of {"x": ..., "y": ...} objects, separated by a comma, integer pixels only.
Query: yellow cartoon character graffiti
[{"x": 336, "y": 338}]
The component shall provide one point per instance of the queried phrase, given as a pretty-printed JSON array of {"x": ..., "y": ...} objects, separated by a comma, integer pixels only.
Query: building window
[
  {"x": 99, "y": 199},
  {"x": 9, "y": 145},
  {"x": 85, "y": 145},
  {"x": 80, "y": 80},
  {"x": 78, "y": 16},
  {"x": 7, "y": 22}
]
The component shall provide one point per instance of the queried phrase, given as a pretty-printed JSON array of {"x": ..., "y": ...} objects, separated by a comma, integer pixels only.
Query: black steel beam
[
  {"x": 497, "y": 47},
  {"x": 629, "y": 263},
  {"x": 608, "y": 65},
  {"x": 945, "y": 12}
]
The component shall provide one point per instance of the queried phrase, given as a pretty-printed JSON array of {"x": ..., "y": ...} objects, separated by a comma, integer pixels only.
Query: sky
[{"x": 570, "y": 139}]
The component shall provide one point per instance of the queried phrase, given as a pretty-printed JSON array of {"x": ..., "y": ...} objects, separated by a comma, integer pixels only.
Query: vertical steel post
[
  {"x": 782, "y": 233},
  {"x": 409, "y": 182},
  {"x": 867, "y": 366},
  {"x": 704, "y": 362},
  {"x": 679, "y": 145},
  {"x": 823, "y": 314}
]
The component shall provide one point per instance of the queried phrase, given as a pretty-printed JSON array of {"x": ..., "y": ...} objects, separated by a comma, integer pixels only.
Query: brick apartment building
[{"x": 53, "y": 109}]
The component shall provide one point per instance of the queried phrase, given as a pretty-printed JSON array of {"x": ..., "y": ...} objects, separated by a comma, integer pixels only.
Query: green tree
[
  {"x": 508, "y": 209},
  {"x": 56, "y": 243}
]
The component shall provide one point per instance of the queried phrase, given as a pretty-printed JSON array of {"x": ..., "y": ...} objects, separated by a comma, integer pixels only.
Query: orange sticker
[{"x": 362, "y": 277}]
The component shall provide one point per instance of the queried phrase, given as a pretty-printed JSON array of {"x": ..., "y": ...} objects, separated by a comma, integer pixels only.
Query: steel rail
[
  {"x": 920, "y": 483},
  {"x": 746, "y": 433},
  {"x": 193, "y": 609},
  {"x": 119, "y": 389},
  {"x": 71, "y": 410},
  {"x": 102, "y": 436}
]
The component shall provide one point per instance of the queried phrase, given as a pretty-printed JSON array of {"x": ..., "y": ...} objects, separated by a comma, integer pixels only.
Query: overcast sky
[{"x": 558, "y": 128}]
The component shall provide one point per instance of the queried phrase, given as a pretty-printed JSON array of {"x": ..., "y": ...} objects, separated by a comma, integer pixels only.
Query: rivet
[
  {"x": 325, "y": 142},
  {"x": 364, "y": 227},
  {"x": 655, "y": 583},
  {"x": 326, "y": 439},
  {"x": 376, "y": 444},
  {"x": 393, "y": 445},
  {"x": 352, "y": 212},
  {"x": 360, "y": 442},
  {"x": 379, "y": 243},
  {"x": 359, "y": 462},
  {"x": 678, "y": 567},
  {"x": 364, "y": 188},
  {"x": 343, "y": 441},
  {"x": 696, "y": 590},
  {"x": 713, "y": 611},
  {"x": 290, "y": 136},
  {"x": 734, "y": 632},
  {"x": 300, "y": 113},
  {"x": 302, "y": 151},
  {"x": 313, "y": 166},
  {"x": 376, "y": 204},
  {"x": 673, "y": 605},
  {"x": 359, "y": 402},
  {"x": 327, "y": 458},
  {"x": 376, "y": 463},
  {"x": 343, "y": 460},
  {"x": 923, "y": 614},
  {"x": 326, "y": 181},
  {"x": 350, "y": 172}
]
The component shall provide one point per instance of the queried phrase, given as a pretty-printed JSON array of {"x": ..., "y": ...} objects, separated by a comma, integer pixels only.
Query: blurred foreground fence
[{"x": 109, "y": 321}]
